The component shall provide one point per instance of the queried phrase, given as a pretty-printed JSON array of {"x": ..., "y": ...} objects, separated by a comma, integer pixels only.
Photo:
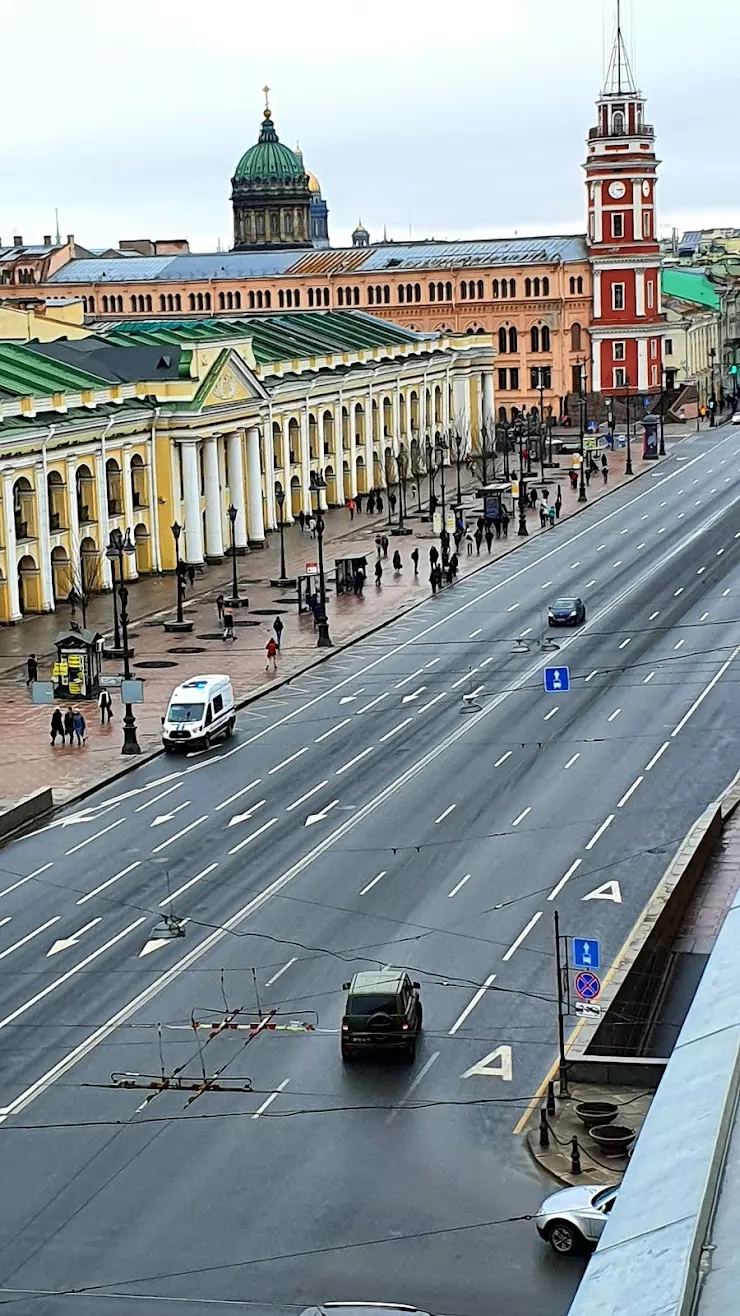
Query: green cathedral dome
[{"x": 269, "y": 161}]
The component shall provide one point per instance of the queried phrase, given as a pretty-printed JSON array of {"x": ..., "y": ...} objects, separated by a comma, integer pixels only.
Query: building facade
[{"x": 165, "y": 422}]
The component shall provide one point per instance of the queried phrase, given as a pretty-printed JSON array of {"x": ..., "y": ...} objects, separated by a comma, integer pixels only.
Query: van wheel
[
  {"x": 229, "y": 728},
  {"x": 206, "y": 742},
  {"x": 168, "y": 749}
]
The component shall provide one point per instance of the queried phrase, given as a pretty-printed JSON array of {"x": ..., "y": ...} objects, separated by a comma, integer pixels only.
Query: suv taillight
[
  {"x": 345, "y": 1026},
  {"x": 405, "y": 1027}
]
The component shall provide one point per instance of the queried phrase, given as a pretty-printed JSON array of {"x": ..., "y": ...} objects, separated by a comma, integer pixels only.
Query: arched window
[
  {"x": 162, "y": 302},
  {"x": 326, "y": 296},
  {"x": 251, "y": 301},
  {"x": 133, "y": 303},
  {"x": 572, "y": 286},
  {"x": 148, "y": 302},
  {"x": 481, "y": 293},
  {"x": 579, "y": 284},
  {"x": 417, "y": 292},
  {"x": 545, "y": 338},
  {"x": 502, "y": 340},
  {"x": 207, "y": 300},
  {"x": 534, "y": 335},
  {"x": 260, "y": 300},
  {"x": 504, "y": 287},
  {"x": 268, "y": 299},
  {"x": 357, "y": 296},
  {"x": 618, "y": 123},
  {"x": 178, "y": 302},
  {"x": 448, "y": 292},
  {"x": 297, "y": 296},
  {"x": 536, "y": 287},
  {"x": 512, "y": 288},
  {"x": 546, "y": 287},
  {"x": 527, "y": 287},
  {"x": 289, "y": 297},
  {"x": 340, "y": 296},
  {"x": 432, "y": 292},
  {"x": 513, "y": 340},
  {"x": 221, "y": 301},
  {"x": 238, "y": 300},
  {"x": 401, "y": 293},
  {"x": 575, "y": 338},
  {"x": 199, "y": 300},
  {"x": 463, "y": 290},
  {"x": 495, "y": 288},
  {"x": 230, "y": 300},
  {"x": 281, "y": 298}
]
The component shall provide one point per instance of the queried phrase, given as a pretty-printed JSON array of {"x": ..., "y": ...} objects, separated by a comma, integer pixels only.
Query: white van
[{"x": 199, "y": 711}]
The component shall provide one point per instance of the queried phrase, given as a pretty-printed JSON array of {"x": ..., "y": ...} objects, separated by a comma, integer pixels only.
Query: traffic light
[{"x": 733, "y": 369}]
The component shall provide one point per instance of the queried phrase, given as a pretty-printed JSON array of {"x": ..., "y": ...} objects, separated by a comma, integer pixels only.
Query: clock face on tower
[
  {"x": 645, "y": 188},
  {"x": 617, "y": 189}
]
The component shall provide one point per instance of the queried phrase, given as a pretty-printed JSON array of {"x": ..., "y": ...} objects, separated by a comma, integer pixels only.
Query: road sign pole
[{"x": 562, "y": 1067}]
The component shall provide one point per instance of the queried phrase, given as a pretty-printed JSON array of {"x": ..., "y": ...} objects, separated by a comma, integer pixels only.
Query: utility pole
[{"x": 562, "y": 1066}]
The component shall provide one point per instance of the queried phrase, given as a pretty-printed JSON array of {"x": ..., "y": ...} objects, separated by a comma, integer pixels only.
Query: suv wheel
[
  {"x": 564, "y": 1238},
  {"x": 410, "y": 1052},
  {"x": 346, "y": 1054},
  {"x": 419, "y": 1017}
]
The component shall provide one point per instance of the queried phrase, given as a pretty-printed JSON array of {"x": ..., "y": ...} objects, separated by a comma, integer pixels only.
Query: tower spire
[{"x": 619, "y": 79}]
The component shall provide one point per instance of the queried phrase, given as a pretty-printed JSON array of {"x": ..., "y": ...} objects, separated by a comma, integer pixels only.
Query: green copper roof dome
[{"x": 269, "y": 161}]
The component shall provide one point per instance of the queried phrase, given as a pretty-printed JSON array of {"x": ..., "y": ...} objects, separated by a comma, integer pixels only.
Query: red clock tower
[{"x": 621, "y": 169}]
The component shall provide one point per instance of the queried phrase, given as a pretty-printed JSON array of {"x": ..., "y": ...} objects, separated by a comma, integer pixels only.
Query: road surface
[{"x": 364, "y": 816}]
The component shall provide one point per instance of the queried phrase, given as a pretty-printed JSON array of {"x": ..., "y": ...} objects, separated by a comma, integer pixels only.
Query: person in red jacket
[{"x": 271, "y": 650}]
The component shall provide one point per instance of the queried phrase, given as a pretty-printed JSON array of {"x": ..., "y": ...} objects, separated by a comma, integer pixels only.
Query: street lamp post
[
  {"x": 661, "y": 449},
  {"x": 713, "y": 397},
  {"x": 441, "y": 448},
  {"x": 176, "y": 532},
  {"x": 430, "y": 471},
  {"x": 543, "y": 429},
  {"x": 628, "y": 467},
  {"x": 118, "y": 544},
  {"x": 519, "y": 433},
  {"x": 402, "y": 463},
  {"x": 232, "y": 514},
  {"x": 458, "y": 452},
  {"x": 582, "y": 498},
  {"x": 317, "y": 485},
  {"x": 130, "y": 743},
  {"x": 280, "y": 500}
]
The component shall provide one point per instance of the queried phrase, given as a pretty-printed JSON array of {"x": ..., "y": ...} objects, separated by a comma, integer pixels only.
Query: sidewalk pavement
[
  {"x": 164, "y": 660},
  {"x": 564, "y": 1125}
]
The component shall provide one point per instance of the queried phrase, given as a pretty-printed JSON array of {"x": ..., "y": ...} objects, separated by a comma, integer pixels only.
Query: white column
[
  {"x": 642, "y": 363},
  {"x": 236, "y": 486},
  {"x": 43, "y": 539},
  {"x": 255, "y": 518},
  {"x": 598, "y": 215},
  {"x": 191, "y": 500},
  {"x": 14, "y": 607},
  {"x": 461, "y": 405},
  {"x": 305, "y": 459},
  {"x": 597, "y": 294},
  {"x": 637, "y": 209},
  {"x": 369, "y": 445},
  {"x": 396, "y": 422},
  {"x": 214, "y": 533},
  {"x": 73, "y": 522},
  {"x": 596, "y": 366},
  {"x": 103, "y": 521},
  {"x": 446, "y": 405},
  {"x": 640, "y": 292},
  {"x": 339, "y": 450},
  {"x": 223, "y": 484},
  {"x": 272, "y": 514},
  {"x": 489, "y": 414},
  {"x": 129, "y": 567}
]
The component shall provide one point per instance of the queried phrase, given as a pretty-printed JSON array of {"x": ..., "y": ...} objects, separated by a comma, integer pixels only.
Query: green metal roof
[
  {"x": 274, "y": 337},
  {"x": 269, "y": 160},
  {"x": 24, "y": 373},
  {"x": 689, "y": 286}
]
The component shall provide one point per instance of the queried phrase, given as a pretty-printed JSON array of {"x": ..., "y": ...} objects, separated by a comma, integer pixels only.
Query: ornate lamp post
[
  {"x": 628, "y": 467},
  {"x": 232, "y": 514},
  {"x": 440, "y": 448},
  {"x": 661, "y": 449},
  {"x": 519, "y": 433},
  {"x": 582, "y": 482},
  {"x": 280, "y": 500},
  {"x": 458, "y": 438},
  {"x": 402, "y": 462},
  {"x": 430, "y": 470},
  {"x": 176, "y": 532},
  {"x": 713, "y": 396},
  {"x": 118, "y": 544},
  {"x": 317, "y": 485}
]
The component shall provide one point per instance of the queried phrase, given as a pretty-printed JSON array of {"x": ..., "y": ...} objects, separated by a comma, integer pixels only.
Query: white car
[
  {"x": 574, "y": 1218},
  {"x": 735, "y": 418}
]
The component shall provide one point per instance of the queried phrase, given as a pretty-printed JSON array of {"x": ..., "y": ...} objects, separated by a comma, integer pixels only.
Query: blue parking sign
[
  {"x": 586, "y": 953},
  {"x": 557, "y": 680}
]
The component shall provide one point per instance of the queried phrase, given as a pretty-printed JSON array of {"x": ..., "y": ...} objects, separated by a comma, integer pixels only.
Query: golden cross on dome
[{"x": 266, "y": 91}]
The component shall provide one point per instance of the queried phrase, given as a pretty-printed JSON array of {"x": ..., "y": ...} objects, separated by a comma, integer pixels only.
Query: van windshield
[{"x": 185, "y": 713}]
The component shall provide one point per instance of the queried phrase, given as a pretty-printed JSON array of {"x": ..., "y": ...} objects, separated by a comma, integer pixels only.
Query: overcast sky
[{"x": 453, "y": 120}]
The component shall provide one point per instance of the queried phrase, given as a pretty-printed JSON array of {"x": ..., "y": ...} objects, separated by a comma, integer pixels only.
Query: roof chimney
[
  {"x": 18, "y": 240},
  {"x": 71, "y": 240},
  {"x": 47, "y": 239}
]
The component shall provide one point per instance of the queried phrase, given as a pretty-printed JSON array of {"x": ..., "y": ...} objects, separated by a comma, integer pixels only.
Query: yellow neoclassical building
[{"x": 148, "y": 423}]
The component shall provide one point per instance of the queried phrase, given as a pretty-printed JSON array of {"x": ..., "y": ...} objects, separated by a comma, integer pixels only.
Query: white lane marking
[
  {"x": 589, "y": 583},
  {"x": 707, "y": 690},
  {"x": 592, "y": 674},
  {"x": 186, "y": 885},
  {"x": 573, "y": 565},
  {"x": 411, "y": 677},
  {"x": 468, "y": 675},
  {"x": 513, "y": 607},
  {"x": 473, "y": 634},
  {"x": 394, "y": 730},
  {"x": 720, "y": 551},
  {"x": 600, "y": 831},
  {"x": 626, "y": 530},
  {"x": 664, "y": 503},
  {"x": 253, "y": 836},
  {"x": 565, "y": 878},
  {"x": 612, "y": 716},
  {"x": 64, "y": 943},
  {"x": 167, "y": 817},
  {"x": 629, "y": 792},
  {"x": 503, "y": 758},
  {"x": 546, "y": 585},
  {"x": 704, "y": 616},
  {"x": 81, "y": 844},
  {"x": 373, "y": 882},
  {"x": 436, "y": 700},
  {"x": 653, "y": 615},
  {"x": 472, "y": 1004},
  {"x": 348, "y": 699},
  {"x": 601, "y": 548},
  {"x": 285, "y": 762},
  {"x": 104, "y": 885},
  {"x": 698, "y": 501},
  {"x": 22, "y": 880},
  {"x": 356, "y": 759},
  {"x": 314, "y": 791},
  {"x": 681, "y": 515},
  {"x": 644, "y": 517},
  {"x": 678, "y": 645},
  {"x": 321, "y": 815},
  {"x": 552, "y": 713},
  {"x": 521, "y": 637},
  {"x": 701, "y": 571},
  {"x": 413, "y": 1085},
  {"x": 725, "y": 592},
  {"x": 409, "y": 699},
  {"x": 477, "y": 691},
  {"x": 446, "y": 813},
  {"x": 639, "y": 546},
  {"x": 459, "y": 885},
  {"x": 513, "y": 948},
  {"x": 678, "y": 591},
  {"x": 293, "y": 960},
  {"x": 58, "y": 982},
  {"x": 656, "y": 756},
  {"x": 161, "y": 796},
  {"x": 30, "y": 936},
  {"x": 269, "y": 1100},
  {"x": 431, "y": 663},
  {"x": 648, "y": 678},
  {"x": 343, "y": 723},
  {"x": 662, "y": 530},
  {"x": 618, "y": 562},
  {"x": 521, "y": 816},
  {"x": 486, "y": 661},
  {"x": 624, "y": 643},
  {"x": 257, "y": 782},
  {"x": 572, "y": 759},
  {"x": 176, "y": 837}
]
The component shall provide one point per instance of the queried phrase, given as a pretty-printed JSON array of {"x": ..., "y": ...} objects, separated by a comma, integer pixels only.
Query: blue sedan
[{"x": 566, "y": 612}]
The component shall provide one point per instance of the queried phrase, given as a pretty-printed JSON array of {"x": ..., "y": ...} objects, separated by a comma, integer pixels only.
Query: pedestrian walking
[
  {"x": 379, "y": 502},
  {"x": 433, "y": 579},
  {"x": 392, "y": 500},
  {"x": 370, "y": 503},
  {"x": 397, "y": 563},
  {"x": 433, "y": 504},
  {"x": 105, "y": 704},
  {"x": 458, "y": 536},
  {"x": 220, "y": 608},
  {"x": 573, "y": 477},
  {"x": 497, "y": 526},
  {"x": 415, "y": 560},
  {"x": 558, "y": 503},
  {"x": 543, "y": 516},
  {"x": 604, "y": 468},
  {"x": 351, "y": 509},
  {"x": 228, "y": 631},
  {"x": 302, "y": 520},
  {"x": 69, "y": 725},
  {"x": 505, "y": 523},
  {"x": 478, "y": 541},
  {"x": 551, "y": 515},
  {"x": 358, "y": 504},
  {"x": 545, "y": 496},
  {"x": 32, "y": 668},
  {"x": 433, "y": 555},
  {"x": 278, "y": 628},
  {"x": 378, "y": 573},
  {"x": 359, "y": 582},
  {"x": 533, "y": 497},
  {"x": 191, "y": 576},
  {"x": 379, "y": 544},
  {"x": 78, "y": 723},
  {"x": 449, "y": 575},
  {"x": 454, "y": 564},
  {"x": 57, "y": 726},
  {"x": 384, "y": 541},
  {"x": 469, "y": 544},
  {"x": 489, "y": 538},
  {"x": 272, "y": 650},
  {"x": 588, "y": 473}
]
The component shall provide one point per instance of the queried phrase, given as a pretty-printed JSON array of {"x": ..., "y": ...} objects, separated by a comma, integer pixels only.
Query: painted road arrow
[
  {"x": 407, "y": 698},
  {"x": 347, "y": 699},
  {"x": 167, "y": 817},
  {"x": 242, "y": 817},
  {"x": 158, "y": 943},
  {"x": 319, "y": 817},
  {"x": 64, "y": 943}
]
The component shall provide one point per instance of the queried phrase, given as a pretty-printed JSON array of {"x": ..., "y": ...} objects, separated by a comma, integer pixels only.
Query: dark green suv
[{"x": 383, "y": 1013}]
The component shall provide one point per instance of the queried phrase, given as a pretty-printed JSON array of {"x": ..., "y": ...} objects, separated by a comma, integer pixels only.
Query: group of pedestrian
[
  {"x": 68, "y": 725},
  {"x": 381, "y": 543}
]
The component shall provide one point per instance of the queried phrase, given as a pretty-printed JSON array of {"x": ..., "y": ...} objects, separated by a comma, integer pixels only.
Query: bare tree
[
  {"x": 86, "y": 580},
  {"x": 483, "y": 458}
]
